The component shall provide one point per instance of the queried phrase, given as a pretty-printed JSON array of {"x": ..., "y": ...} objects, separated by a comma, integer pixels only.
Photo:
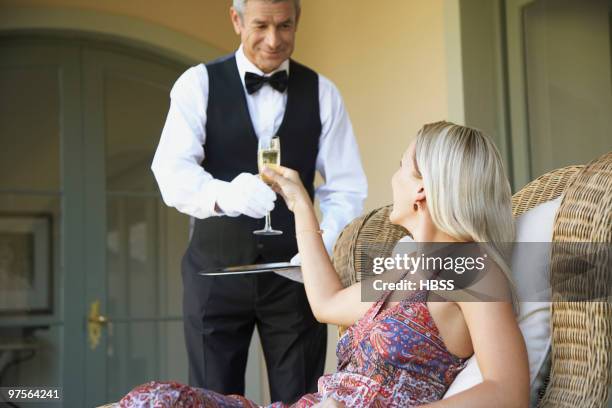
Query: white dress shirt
[{"x": 187, "y": 186}]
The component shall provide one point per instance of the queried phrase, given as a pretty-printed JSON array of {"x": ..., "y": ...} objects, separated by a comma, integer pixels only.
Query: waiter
[{"x": 206, "y": 167}]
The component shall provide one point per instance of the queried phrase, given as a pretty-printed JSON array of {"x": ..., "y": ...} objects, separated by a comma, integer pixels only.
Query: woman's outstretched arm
[{"x": 329, "y": 301}]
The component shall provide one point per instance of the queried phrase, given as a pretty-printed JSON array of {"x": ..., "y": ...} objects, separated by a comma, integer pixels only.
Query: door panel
[
  {"x": 126, "y": 102},
  {"x": 30, "y": 123},
  {"x": 135, "y": 109},
  {"x": 569, "y": 93},
  {"x": 559, "y": 83},
  {"x": 40, "y": 186}
]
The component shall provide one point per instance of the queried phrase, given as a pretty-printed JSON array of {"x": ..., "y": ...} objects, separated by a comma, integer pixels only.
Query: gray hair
[{"x": 240, "y": 4}]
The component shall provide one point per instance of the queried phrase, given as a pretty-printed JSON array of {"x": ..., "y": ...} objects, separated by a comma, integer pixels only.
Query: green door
[
  {"x": 134, "y": 242},
  {"x": 559, "y": 83},
  {"x": 79, "y": 123},
  {"x": 41, "y": 217}
]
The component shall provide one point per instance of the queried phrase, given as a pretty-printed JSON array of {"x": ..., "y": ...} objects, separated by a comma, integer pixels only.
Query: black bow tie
[{"x": 254, "y": 82}]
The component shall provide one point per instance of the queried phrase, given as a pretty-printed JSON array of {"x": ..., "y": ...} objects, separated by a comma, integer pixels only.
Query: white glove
[
  {"x": 296, "y": 260},
  {"x": 295, "y": 274},
  {"x": 246, "y": 194}
]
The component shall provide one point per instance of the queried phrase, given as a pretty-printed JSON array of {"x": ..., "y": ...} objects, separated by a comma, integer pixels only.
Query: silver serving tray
[{"x": 248, "y": 269}]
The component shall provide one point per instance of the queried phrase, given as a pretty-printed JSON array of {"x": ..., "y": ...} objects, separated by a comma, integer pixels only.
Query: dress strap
[{"x": 379, "y": 304}]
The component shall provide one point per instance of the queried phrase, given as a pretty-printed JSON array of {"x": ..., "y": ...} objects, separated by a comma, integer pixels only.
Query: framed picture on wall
[{"x": 26, "y": 263}]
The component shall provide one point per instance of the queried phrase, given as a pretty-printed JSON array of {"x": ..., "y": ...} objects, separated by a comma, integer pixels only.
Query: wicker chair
[{"x": 580, "y": 357}]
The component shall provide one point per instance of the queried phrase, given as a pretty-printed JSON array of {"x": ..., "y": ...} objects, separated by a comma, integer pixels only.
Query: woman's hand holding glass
[{"x": 288, "y": 184}]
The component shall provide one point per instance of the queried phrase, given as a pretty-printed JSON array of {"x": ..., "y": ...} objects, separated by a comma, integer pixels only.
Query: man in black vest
[{"x": 206, "y": 166}]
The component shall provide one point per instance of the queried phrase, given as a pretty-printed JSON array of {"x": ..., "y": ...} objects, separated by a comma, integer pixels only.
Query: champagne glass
[{"x": 268, "y": 154}]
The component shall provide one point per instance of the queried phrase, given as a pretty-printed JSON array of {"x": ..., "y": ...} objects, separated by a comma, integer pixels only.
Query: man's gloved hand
[
  {"x": 246, "y": 194},
  {"x": 296, "y": 260},
  {"x": 294, "y": 274}
]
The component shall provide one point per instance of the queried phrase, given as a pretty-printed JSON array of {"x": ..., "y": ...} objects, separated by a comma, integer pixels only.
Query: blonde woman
[{"x": 450, "y": 187}]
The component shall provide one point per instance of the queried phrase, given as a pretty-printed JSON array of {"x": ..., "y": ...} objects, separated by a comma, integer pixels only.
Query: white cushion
[
  {"x": 530, "y": 269},
  {"x": 467, "y": 378}
]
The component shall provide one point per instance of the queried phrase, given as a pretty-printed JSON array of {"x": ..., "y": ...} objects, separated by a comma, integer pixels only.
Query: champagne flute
[{"x": 268, "y": 154}]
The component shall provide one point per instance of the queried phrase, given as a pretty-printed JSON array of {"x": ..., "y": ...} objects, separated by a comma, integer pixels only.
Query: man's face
[{"x": 267, "y": 31}]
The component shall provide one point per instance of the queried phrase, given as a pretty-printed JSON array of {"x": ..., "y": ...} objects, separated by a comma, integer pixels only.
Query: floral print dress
[{"x": 391, "y": 357}]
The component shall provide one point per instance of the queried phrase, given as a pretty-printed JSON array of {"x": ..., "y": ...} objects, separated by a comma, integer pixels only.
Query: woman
[{"x": 450, "y": 188}]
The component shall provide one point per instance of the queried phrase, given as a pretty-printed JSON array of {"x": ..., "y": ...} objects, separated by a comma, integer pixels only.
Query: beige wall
[{"x": 387, "y": 58}]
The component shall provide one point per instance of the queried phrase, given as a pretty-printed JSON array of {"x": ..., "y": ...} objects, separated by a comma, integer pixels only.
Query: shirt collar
[{"x": 245, "y": 65}]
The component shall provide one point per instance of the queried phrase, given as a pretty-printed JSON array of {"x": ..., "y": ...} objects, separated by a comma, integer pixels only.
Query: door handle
[{"x": 95, "y": 321}]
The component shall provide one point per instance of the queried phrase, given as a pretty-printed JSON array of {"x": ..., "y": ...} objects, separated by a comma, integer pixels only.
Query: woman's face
[{"x": 408, "y": 190}]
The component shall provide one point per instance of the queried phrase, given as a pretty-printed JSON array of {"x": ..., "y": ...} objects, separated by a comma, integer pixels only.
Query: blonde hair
[{"x": 468, "y": 193}]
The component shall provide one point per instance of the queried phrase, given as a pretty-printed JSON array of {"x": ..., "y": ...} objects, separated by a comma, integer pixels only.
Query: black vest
[{"x": 231, "y": 149}]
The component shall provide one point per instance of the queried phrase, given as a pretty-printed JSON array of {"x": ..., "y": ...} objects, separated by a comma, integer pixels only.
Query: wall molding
[
  {"x": 454, "y": 61},
  {"x": 121, "y": 29}
]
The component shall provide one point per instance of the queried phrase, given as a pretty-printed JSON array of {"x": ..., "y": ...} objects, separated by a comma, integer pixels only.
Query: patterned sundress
[{"x": 391, "y": 357}]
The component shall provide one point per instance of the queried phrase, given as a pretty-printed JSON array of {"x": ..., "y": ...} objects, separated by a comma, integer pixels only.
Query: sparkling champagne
[
  {"x": 270, "y": 158},
  {"x": 268, "y": 154}
]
